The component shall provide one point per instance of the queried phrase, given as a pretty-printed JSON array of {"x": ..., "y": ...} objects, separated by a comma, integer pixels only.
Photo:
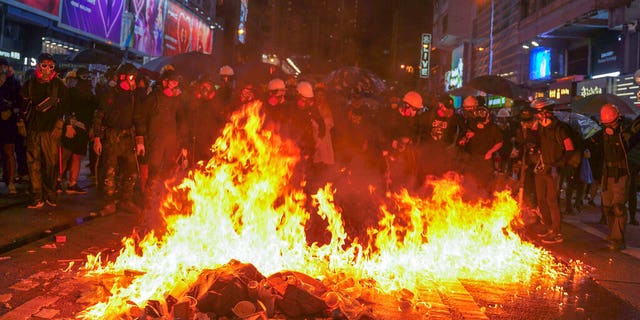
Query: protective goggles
[{"x": 47, "y": 66}]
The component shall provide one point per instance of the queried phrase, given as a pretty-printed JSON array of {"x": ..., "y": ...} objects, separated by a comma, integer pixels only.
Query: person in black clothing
[
  {"x": 82, "y": 105},
  {"x": 163, "y": 124},
  {"x": 275, "y": 106},
  {"x": 481, "y": 141},
  {"x": 615, "y": 174},
  {"x": 556, "y": 146},
  {"x": 46, "y": 97},
  {"x": 10, "y": 109},
  {"x": 115, "y": 131},
  {"x": 438, "y": 142},
  {"x": 206, "y": 119},
  {"x": 528, "y": 138}
]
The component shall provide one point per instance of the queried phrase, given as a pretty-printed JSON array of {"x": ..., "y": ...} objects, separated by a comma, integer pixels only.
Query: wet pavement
[{"x": 40, "y": 250}]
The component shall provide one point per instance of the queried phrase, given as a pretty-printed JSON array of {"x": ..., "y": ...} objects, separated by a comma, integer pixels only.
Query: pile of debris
[{"x": 239, "y": 291}]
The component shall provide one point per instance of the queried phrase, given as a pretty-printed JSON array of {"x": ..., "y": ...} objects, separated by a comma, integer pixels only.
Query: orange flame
[{"x": 243, "y": 208}]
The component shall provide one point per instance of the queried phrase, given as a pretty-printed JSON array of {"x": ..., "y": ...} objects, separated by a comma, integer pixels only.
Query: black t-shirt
[
  {"x": 484, "y": 139},
  {"x": 552, "y": 143},
  {"x": 440, "y": 129}
]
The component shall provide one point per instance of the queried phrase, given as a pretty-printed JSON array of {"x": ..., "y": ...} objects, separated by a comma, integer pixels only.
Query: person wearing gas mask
[
  {"x": 442, "y": 129},
  {"x": 275, "y": 106},
  {"x": 481, "y": 141},
  {"x": 206, "y": 119},
  {"x": 615, "y": 174},
  {"x": 304, "y": 125},
  {"x": 10, "y": 110},
  {"x": 556, "y": 146},
  {"x": 528, "y": 138},
  {"x": 164, "y": 135},
  {"x": 46, "y": 98},
  {"x": 82, "y": 105},
  {"x": 115, "y": 135}
]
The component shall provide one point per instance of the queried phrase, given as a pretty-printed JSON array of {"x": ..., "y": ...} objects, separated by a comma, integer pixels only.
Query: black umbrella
[
  {"x": 349, "y": 79},
  {"x": 592, "y": 104},
  {"x": 463, "y": 91},
  {"x": 499, "y": 86},
  {"x": 96, "y": 56},
  {"x": 579, "y": 122},
  {"x": 190, "y": 65}
]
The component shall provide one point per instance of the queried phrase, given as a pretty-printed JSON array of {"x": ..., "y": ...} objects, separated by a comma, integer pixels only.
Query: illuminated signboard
[
  {"x": 627, "y": 89},
  {"x": 242, "y": 30},
  {"x": 561, "y": 92},
  {"x": 148, "y": 26},
  {"x": 594, "y": 86},
  {"x": 425, "y": 55},
  {"x": 453, "y": 78},
  {"x": 496, "y": 102},
  {"x": 184, "y": 32},
  {"x": 49, "y": 8},
  {"x": 98, "y": 18},
  {"x": 540, "y": 63}
]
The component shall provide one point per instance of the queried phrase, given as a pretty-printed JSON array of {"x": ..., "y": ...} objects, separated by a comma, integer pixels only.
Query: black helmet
[
  {"x": 126, "y": 69},
  {"x": 169, "y": 74},
  {"x": 526, "y": 114},
  {"x": 45, "y": 56}
]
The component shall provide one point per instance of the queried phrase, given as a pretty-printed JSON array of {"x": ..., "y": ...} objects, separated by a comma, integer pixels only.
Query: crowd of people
[{"x": 138, "y": 132}]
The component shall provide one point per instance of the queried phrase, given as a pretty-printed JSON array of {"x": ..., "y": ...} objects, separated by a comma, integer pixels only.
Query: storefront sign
[
  {"x": 606, "y": 54},
  {"x": 561, "y": 91},
  {"x": 425, "y": 55},
  {"x": 627, "y": 89},
  {"x": 594, "y": 86},
  {"x": 496, "y": 102},
  {"x": 10, "y": 54},
  {"x": 97, "y": 18}
]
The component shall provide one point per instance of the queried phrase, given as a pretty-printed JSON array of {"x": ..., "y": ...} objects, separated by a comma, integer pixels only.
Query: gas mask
[
  {"x": 45, "y": 70},
  {"x": 206, "y": 91}
]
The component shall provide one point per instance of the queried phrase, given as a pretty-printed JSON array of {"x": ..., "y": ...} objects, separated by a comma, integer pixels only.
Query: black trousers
[
  {"x": 43, "y": 163},
  {"x": 118, "y": 155}
]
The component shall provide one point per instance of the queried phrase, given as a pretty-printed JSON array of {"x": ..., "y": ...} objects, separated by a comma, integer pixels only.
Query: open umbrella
[
  {"x": 592, "y": 104},
  {"x": 95, "y": 56},
  {"x": 463, "y": 91},
  {"x": 499, "y": 86},
  {"x": 354, "y": 78},
  {"x": 190, "y": 65},
  {"x": 579, "y": 122}
]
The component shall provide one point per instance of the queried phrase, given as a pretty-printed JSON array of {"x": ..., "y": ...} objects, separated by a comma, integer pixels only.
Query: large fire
[{"x": 243, "y": 208}]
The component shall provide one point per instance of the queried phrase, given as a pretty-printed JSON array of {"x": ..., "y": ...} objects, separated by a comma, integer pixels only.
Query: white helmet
[
  {"x": 503, "y": 113},
  {"x": 276, "y": 84},
  {"x": 226, "y": 71},
  {"x": 305, "y": 89}
]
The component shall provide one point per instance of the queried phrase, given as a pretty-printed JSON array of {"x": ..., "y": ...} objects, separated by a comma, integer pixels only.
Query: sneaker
[
  {"x": 553, "y": 238},
  {"x": 616, "y": 246},
  {"x": 545, "y": 234},
  {"x": 36, "y": 204},
  {"x": 51, "y": 203},
  {"x": 59, "y": 187},
  {"x": 128, "y": 206},
  {"x": 75, "y": 189},
  {"x": 108, "y": 209},
  {"x": 12, "y": 189}
]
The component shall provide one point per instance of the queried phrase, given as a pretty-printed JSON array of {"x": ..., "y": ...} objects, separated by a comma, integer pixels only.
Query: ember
[{"x": 246, "y": 221}]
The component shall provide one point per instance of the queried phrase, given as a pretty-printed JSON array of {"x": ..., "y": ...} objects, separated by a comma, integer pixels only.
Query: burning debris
[{"x": 245, "y": 221}]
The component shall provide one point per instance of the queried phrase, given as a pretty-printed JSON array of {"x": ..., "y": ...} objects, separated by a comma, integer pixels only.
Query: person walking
[
  {"x": 115, "y": 141},
  {"x": 556, "y": 146},
  {"x": 615, "y": 174},
  {"x": 82, "y": 105},
  {"x": 46, "y": 98},
  {"x": 10, "y": 107}
]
